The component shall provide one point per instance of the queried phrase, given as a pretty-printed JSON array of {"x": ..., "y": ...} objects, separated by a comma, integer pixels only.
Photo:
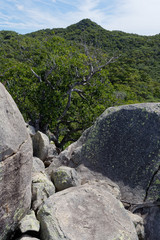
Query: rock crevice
[{"x": 157, "y": 172}]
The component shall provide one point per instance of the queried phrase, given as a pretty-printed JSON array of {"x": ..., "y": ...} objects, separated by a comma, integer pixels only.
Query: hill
[
  {"x": 45, "y": 72},
  {"x": 142, "y": 52}
]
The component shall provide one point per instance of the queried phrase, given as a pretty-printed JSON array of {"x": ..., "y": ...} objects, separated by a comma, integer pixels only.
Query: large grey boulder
[
  {"x": 106, "y": 185},
  {"x": 123, "y": 145},
  {"x": 15, "y": 165},
  {"x": 85, "y": 212}
]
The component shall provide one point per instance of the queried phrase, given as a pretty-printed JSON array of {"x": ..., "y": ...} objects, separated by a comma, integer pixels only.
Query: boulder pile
[{"x": 105, "y": 186}]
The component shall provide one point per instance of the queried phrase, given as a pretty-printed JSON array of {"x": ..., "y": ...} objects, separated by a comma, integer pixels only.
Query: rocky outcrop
[
  {"x": 85, "y": 212},
  {"x": 15, "y": 165},
  {"x": 115, "y": 161},
  {"x": 122, "y": 145}
]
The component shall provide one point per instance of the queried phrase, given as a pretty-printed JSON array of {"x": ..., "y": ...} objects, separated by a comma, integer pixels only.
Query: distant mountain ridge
[
  {"x": 111, "y": 41},
  {"x": 140, "y": 52}
]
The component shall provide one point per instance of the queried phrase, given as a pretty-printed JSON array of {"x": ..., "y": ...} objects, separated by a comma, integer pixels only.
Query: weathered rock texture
[
  {"x": 65, "y": 177},
  {"x": 123, "y": 145},
  {"x": 29, "y": 223},
  {"x": 138, "y": 223},
  {"x": 106, "y": 185},
  {"x": 85, "y": 212},
  {"x": 42, "y": 188},
  {"x": 15, "y": 165},
  {"x": 42, "y": 148},
  {"x": 38, "y": 165},
  {"x": 40, "y": 145}
]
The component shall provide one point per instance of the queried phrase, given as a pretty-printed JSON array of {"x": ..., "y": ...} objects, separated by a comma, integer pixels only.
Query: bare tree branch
[
  {"x": 82, "y": 78},
  {"x": 36, "y": 75},
  {"x": 85, "y": 81},
  {"x": 81, "y": 93},
  {"x": 50, "y": 84},
  {"x": 45, "y": 78}
]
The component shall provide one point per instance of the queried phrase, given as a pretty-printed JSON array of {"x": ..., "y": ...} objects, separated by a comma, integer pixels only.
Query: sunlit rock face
[
  {"x": 123, "y": 145},
  {"x": 15, "y": 165},
  {"x": 87, "y": 212}
]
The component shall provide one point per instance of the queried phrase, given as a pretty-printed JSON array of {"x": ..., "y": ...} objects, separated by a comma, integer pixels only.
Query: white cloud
[
  {"x": 136, "y": 16},
  {"x": 20, "y": 7},
  {"x": 88, "y": 5},
  {"x": 85, "y": 9}
]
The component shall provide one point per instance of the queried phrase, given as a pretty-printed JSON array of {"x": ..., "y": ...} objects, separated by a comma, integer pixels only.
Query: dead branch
[
  {"x": 36, "y": 75},
  {"x": 85, "y": 81},
  {"x": 45, "y": 77}
]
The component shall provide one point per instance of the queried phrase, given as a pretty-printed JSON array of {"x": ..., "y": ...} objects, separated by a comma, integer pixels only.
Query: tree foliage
[{"x": 61, "y": 79}]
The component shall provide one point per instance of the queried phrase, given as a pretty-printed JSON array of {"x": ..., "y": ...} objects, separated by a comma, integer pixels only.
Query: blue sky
[{"x": 132, "y": 16}]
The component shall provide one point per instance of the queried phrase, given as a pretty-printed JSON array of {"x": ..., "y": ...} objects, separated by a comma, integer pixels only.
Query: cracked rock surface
[{"x": 15, "y": 165}]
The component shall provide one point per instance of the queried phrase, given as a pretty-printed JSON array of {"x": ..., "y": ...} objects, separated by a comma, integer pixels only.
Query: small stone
[
  {"x": 40, "y": 145},
  {"x": 38, "y": 165},
  {"x": 65, "y": 177},
  {"x": 29, "y": 223},
  {"x": 42, "y": 188}
]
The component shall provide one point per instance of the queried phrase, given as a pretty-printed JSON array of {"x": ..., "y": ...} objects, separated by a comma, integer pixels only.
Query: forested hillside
[{"x": 63, "y": 79}]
